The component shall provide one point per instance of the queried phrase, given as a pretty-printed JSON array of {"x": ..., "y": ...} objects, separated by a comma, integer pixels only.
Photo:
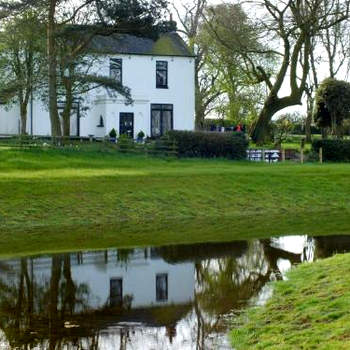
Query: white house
[
  {"x": 160, "y": 75},
  {"x": 135, "y": 296}
]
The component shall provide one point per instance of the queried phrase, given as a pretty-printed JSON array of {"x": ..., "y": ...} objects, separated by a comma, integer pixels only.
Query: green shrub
[
  {"x": 113, "y": 134},
  {"x": 209, "y": 144},
  {"x": 333, "y": 150},
  {"x": 141, "y": 135}
]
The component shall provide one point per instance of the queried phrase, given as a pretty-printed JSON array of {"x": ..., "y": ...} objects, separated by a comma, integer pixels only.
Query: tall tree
[
  {"x": 330, "y": 51},
  {"x": 76, "y": 75},
  {"x": 285, "y": 30},
  {"x": 21, "y": 59},
  {"x": 100, "y": 17},
  {"x": 190, "y": 16},
  {"x": 295, "y": 24},
  {"x": 242, "y": 92},
  {"x": 332, "y": 104}
]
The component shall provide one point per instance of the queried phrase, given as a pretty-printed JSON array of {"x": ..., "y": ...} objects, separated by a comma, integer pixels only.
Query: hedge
[
  {"x": 333, "y": 150},
  {"x": 210, "y": 144}
]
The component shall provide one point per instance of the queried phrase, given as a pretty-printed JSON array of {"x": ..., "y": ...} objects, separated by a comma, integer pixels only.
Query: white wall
[
  {"x": 139, "y": 74},
  {"x": 9, "y": 120},
  {"x": 138, "y": 274}
]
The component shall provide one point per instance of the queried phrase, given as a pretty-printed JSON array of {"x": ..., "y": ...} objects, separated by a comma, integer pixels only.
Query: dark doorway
[{"x": 126, "y": 124}]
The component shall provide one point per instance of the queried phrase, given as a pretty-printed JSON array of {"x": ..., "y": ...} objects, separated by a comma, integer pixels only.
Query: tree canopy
[{"x": 332, "y": 104}]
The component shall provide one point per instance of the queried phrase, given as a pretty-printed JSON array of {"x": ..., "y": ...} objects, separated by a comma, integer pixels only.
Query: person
[{"x": 239, "y": 128}]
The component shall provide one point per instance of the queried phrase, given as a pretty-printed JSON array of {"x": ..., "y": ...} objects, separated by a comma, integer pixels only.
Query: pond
[{"x": 173, "y": 297}]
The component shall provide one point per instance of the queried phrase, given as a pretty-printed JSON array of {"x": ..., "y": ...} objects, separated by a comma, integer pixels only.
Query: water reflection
[{"x": 178, "y": 297}]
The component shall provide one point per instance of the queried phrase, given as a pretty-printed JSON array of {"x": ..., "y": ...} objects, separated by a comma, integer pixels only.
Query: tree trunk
[
  {"x": 67, "y": 107},
  {"x": 199, "y": 121},
  {"x": 260, "y": 133},
  {"x": 23, "y": 112},
  {"x": 56, "y": 266},
  {"x": 272, "y": 105},
  {"x": 324, "y": 133},
  {"x": 308, "y": 122},
  {"x": 52, "y": 68}
]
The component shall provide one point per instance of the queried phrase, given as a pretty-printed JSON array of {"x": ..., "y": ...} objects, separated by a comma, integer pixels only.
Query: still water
[{"x": 176, "y": 297}]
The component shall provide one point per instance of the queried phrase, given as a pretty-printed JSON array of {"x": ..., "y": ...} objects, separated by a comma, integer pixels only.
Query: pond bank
[
  {"x": 67, "y": 199},
  {"x": 308, "y": 311},
  {"x": 128, "y": 234}
]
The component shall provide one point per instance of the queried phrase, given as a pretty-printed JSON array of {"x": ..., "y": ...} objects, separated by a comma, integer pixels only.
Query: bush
[
  {"x": 141, "y": 135},
  {"x": 113, "y": 134},
  {"x": 333, "y": 150},
  {"x": 210, "y": 144}
]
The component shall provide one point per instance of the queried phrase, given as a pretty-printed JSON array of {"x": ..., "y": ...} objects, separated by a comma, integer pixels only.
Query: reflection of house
[
  {"x": 147, "y": 281},
  {"x": 140, "y": 279}
]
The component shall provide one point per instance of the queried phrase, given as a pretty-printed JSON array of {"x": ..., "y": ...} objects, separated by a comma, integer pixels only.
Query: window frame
[
  {"x": 166, "y": 85},
  {"x": 163, "y": 107},
  {"x": 166, "y": 297},
  {"x": 115, "y": 300},
  {"x": 120, "y": 61}
]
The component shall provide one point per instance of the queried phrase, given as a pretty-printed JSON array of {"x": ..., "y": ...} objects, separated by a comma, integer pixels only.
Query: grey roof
[{"x": 169, "y": 44}]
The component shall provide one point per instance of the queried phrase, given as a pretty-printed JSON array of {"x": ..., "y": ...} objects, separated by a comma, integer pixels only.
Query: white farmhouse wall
[
  {"x": 41, "y": 119},
  {"x": 9, "y": 120},
  {"x": 139, "y": 74}
]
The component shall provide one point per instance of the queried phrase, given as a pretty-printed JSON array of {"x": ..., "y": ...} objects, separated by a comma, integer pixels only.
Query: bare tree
[
  {"x": 290, "y": 26},
  {"x": 295, "y": 24},
  {"x": 190, "y": 17}
]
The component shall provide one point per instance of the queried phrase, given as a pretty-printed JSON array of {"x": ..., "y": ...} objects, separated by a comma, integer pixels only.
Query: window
[
  {"x": 162, "y": 74},
  {"x": 116, "y": 291},
  {"x": 115, "y": 69},
  {"x": 162, "y": 287},
  {"x": 101, "y": 123},
  {"x": 161, "y": 119}
]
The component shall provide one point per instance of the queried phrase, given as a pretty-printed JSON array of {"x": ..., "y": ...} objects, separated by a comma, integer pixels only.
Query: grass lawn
[
  {"x": 309, "y": 311},
  {"x": 66, "y": 199}
]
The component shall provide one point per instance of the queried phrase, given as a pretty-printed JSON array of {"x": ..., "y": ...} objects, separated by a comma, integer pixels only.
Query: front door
[{"x": 126, "y": 124}]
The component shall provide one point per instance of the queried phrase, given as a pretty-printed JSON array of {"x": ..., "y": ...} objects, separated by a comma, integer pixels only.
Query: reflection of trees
[
  {"x": 34, "y": 312},
  {"x": 328, "y": 246},
  {"x": 200, "y": 251},
  {"x": 228, "y": 276},
  {"x": 227, "y": 284}
]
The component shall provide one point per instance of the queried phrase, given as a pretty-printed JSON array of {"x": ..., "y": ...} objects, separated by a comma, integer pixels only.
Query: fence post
[
  {"x": 302, "y": 144},
  {"x": 283, "y": 155},
  {"x": 321, "y": 155},
  {"x": 263, "y": 155},
  {"x": 302, "y": 156}
]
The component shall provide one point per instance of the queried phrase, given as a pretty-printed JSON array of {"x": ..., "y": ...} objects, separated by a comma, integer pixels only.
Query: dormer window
[
  {"x": 161, "y": 74},
  {"x": 115, "y": 69}
]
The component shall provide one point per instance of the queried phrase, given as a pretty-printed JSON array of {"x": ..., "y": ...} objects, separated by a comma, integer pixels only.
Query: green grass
[
  {"x": 67, "y": 199},
  {"x": 309, "y": 311}
]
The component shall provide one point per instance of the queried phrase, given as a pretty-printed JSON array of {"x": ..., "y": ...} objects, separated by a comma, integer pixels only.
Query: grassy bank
[
  {"x": 309, "y": 311},
  {"x": 58, "y": 198}
]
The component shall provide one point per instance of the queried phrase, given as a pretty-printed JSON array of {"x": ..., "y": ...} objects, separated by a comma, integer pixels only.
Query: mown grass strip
[
  {"x": 57, "y": 197},
  {"x": 308, "y": 311}
]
